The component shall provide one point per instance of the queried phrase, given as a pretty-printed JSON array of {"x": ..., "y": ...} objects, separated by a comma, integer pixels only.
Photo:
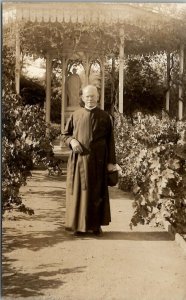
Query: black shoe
[
  {"x": 98, "y": 232},
  {"x": 79, "y": 233}
]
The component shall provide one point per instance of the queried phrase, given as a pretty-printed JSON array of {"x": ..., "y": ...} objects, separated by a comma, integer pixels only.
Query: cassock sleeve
[
  {"x": 111, "y": 144},
  {"x": 67, "y": 134}
]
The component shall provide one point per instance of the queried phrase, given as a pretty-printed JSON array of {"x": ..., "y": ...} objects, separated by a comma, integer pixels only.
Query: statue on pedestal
[{"x": 73, "y": 88}]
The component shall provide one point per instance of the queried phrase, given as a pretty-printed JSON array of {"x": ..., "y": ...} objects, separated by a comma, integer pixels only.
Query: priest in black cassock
[{"x": 89, "y": 135}]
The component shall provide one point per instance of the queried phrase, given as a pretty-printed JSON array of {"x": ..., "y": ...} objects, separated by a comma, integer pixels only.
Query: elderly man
[{"x": 89, "y": 134}]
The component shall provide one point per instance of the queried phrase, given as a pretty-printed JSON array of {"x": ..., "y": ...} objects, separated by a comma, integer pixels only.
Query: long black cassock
[{"x": 87, "y": 198}]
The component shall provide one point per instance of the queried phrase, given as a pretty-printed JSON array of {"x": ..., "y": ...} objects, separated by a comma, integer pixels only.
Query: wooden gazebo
[{"x": 121, "y": 23}]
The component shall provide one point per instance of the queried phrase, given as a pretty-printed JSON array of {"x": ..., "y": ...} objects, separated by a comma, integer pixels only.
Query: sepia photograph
[{"x": 93, "y": 150}]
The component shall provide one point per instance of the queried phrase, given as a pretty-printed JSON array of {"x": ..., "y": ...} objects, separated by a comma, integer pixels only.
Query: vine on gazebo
[{"x": 39, "y": 37}]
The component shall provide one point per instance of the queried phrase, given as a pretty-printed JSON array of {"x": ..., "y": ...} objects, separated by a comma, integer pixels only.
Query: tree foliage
[
  {"x": 31, "y": 92},
  {"x": 144, "y": 87}
]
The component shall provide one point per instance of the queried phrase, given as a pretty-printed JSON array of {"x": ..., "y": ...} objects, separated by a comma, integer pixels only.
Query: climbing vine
[
  {"x": 39, "y": 37},
  {"x": 54, "y": 36}
]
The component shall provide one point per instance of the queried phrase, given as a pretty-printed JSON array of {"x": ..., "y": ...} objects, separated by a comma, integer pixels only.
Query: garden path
[{"x": 43, "y": 262}]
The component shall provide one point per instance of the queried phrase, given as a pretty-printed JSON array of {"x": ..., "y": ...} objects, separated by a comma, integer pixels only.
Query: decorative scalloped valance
[{"x": 91, "y": 13}]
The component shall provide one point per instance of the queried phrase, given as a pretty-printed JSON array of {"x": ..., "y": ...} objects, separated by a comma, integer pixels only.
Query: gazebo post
[
  {"x": 17, "y": 62},
  {"x": 102, "y": 84},
  {"x": 48, "y": 87},
  {"x": 121, "y": 72},
  {"x": 181, "y": 66},
  {"x": 63, "y": 95},
  {"x": 168, "y": 83},
  {"x": 87, "y": 70}
]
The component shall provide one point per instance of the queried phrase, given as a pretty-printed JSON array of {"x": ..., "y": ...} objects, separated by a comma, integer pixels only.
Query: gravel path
[{"x": 42, "y": 261}]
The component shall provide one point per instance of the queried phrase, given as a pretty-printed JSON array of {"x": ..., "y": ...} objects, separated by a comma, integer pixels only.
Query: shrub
[
  {"x": 151, "y": 167},
  {"x": 26, "y": 141},
  {"x": 25, "y": 144}
]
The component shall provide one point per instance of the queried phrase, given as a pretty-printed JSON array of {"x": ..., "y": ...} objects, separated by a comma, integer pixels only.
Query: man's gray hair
[{"x": 90, "y": 86}]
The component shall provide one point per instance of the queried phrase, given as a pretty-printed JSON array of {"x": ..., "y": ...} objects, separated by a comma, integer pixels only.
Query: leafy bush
[
  {"x": 26, "y": 141},
  {"x": 151, "y": 166},
  {"x": 25, "y": 144}
]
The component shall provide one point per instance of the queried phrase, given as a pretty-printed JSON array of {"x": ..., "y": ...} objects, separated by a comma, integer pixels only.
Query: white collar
[{"x": 90, "y": 108}]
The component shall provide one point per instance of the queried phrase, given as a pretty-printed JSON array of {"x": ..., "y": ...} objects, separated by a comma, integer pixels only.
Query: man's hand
[
  {"x": 76, "y": 147},
  {"x": 111, "y": 168}
]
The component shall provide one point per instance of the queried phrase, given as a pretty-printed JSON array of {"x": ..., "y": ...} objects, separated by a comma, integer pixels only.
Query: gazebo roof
[{"x": 146, "y": 29}]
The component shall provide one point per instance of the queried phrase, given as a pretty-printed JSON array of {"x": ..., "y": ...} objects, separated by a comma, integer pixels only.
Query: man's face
[{"x": 90, "y": 97}]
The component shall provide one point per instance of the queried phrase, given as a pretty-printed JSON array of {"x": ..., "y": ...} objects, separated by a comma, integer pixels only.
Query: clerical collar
[{"x": 90, "y": 108}]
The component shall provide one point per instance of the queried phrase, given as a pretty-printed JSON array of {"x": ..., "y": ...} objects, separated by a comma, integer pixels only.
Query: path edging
[{"x": 172, "y": 231}]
